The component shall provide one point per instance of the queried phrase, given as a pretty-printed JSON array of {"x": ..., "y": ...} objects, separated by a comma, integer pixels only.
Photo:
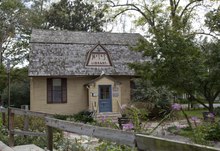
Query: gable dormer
[{"x": 98, "y": 57}]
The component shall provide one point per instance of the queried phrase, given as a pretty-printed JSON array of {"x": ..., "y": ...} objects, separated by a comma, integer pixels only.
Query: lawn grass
[{"x": 196, "y": 113}]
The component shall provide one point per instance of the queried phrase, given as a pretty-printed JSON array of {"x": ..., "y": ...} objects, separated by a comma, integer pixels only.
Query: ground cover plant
[{"x": 199, "y": 130}]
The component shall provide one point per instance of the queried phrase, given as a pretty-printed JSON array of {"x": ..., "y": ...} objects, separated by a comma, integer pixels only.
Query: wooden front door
[{"x": 105, "y": 98}]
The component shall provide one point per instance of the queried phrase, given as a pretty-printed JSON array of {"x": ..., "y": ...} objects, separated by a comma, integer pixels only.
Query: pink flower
[
  {"x": 176, "y": 106},
  {"x": 103, "y": 118},
  {"x": 194, "y": 118},
  {"x": 211, "y": 115},
  {"x": 128, "y": 126}
]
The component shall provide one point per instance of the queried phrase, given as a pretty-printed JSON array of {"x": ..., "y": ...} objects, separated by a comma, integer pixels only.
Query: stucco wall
[
  {"x": 77, "y": 95},
  {"x": 125, "y": 89}
]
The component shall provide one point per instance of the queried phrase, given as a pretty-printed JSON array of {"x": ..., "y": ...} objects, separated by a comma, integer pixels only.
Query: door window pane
[{"x": 104, "y": 92}]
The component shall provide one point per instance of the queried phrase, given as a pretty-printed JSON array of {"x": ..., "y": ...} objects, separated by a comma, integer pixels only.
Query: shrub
[
  {"x": 217, "y": 111},
  {"x": 109, "y": 146},
  {"x": 62, "y": 117},
  {"x": 212, "y": 132},
  {"x": 84, "y": 116},
  {"x": 160, "y": 109}
]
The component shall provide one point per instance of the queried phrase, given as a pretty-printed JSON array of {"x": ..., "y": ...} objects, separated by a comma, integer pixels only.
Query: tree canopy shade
[
  {"x": 20, "y": 89},
  {"x": 178, "y": 61},
  {"x": 75, "y": 15}
]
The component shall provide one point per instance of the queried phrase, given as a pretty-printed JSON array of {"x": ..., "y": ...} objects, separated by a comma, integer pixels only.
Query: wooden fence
[
  {"x": 25, "y": 114},
  {"x": 142, "y": 142}
]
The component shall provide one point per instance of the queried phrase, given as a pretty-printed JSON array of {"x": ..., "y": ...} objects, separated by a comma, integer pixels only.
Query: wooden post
[
  {"x": 26, "y": 120},
  {"x": 11, "y": 127},
  {"x": 49, "y": 138}
]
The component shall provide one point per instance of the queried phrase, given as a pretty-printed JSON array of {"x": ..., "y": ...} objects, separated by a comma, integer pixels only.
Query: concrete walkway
[{"x": 31, "y": 147}]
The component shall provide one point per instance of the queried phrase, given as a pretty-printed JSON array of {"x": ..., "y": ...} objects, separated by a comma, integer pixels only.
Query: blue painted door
[{"x": 105, "y": 98}]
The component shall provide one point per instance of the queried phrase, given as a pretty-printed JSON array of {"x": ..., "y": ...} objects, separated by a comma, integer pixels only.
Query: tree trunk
[{"x": 211, "y": 107}]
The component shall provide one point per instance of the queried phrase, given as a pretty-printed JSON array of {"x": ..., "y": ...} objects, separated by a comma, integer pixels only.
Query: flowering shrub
[
  {"x": 107, "y": 122},
  {"x": 176, "y": 107},
  {"x": 195, "y": 120},
  {"x": 134, "y": 115},
  {"x": 128, "y": 126}
]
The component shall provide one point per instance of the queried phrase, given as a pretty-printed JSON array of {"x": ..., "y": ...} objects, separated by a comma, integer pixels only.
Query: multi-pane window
[
  {"x": 104, "y": 92},
  {"x": 56, "y": 90}
]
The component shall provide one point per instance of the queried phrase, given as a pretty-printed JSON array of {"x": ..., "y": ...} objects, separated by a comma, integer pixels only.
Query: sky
[{"x": 198, "y": 22}]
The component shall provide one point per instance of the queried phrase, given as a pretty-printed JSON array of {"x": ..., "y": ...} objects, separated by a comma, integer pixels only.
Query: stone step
[
  {"x": 108, "y": 114},
  {"x": 113, "y": 116}
]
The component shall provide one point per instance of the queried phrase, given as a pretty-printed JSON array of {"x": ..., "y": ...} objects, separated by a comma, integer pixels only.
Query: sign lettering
[{"x": 98, "y": 58}]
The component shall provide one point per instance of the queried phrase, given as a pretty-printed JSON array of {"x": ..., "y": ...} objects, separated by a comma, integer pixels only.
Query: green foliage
[
  {"x": 217, "y": 111},
  {"x": 3, "y": 81},
  {"x": 144, "y": 91},
  {"x": 69, "y": 145},
  {"x": 84, "y": 116},
  {"x": 62, "y": 117},
  {"x": 75, "y": 15},
  {"x": 39, "y": 141},
  {"x": 212, "y": 132},
  {"x": 177, "y": 61},
  {"x": 107, "y": 122},
  {"x": 108, "y": 146},
  {"x": 159, "y": 97},
  {"x": 19, "y": 88},
  {"x": 3, "y": 134},
  {"x": 213, "y": 20},
  {"x": 13, "y": 17},
  {"x": 134, "y": 114},
  {"x": 35, "y": 124}
]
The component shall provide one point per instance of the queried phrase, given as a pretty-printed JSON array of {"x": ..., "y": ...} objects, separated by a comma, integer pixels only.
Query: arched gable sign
[{"x": 98, "y": 57}]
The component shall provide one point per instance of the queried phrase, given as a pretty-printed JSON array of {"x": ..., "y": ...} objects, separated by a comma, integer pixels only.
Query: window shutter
[
  {"x": 64, "y": 90},
  {"x": 49, "y": 90}
]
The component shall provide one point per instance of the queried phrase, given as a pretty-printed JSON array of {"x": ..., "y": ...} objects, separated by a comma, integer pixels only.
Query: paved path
[{"x": 30, "y": 147}]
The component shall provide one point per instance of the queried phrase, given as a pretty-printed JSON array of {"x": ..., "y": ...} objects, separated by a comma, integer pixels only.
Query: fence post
[
  {"x": 26, "y": 119},
  {"x": 11, "y": 127},
  {"x": 49, "y": 138}
]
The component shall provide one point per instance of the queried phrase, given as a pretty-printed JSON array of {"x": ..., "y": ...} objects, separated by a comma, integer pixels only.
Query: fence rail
[
  {"x": 142, "y": 142},
  {"x": 121, "y": 137},
  {"x": 3, "y": 110},
  {"x": 13, "y": 114},
  {"x": 29, "y": 113}
]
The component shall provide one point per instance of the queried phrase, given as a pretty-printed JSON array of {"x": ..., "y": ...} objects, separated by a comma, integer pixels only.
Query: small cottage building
[{"x": 75, "y": 71}]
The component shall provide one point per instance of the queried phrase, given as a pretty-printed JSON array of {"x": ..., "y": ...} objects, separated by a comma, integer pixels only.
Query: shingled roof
[{"x": 64, "y": 53}]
